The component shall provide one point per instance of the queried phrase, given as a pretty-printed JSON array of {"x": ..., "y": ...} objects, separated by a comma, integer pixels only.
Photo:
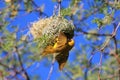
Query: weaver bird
[{"x": 61, "y": 48}]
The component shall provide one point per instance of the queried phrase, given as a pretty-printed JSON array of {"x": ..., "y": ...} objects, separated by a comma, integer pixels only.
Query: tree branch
[
  {"x": 95, "y": 34},
  {"x": 21, "y": 65},
  {"x": 51, "y": 69}
]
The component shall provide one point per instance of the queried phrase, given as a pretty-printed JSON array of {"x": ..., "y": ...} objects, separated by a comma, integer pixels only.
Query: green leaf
[
  {"x": 66, "y": 12},
  {"x": 73, "y": 2}
]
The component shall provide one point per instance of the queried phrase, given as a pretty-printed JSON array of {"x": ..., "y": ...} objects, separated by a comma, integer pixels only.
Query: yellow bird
[{"x": 62, "y": 46}]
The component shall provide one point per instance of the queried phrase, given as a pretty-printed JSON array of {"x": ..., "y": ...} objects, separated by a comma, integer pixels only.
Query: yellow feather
[{"x": 55, "y": 45}]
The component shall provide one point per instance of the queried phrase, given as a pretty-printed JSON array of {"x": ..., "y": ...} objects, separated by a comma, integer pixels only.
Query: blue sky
[{"x": 38, "y": 68}]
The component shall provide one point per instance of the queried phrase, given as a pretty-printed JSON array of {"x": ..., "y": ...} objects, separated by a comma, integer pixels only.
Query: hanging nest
[{"x": 46, "y": 30}]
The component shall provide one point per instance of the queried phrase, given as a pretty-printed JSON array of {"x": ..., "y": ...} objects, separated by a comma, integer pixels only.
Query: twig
[
  {"x": 70, "y": 78},
  {"x": 21, "y": 65},
  {"x": 111, "y": 37},
  {"x": 115, "y": 43},
  {"x": 10, "y": 68},
  {"x": 100, "y": 68},
  {"x": 92, "y": 54},
  {"x": 115, "y": 31},
  {"x": 4, "y": 65},
  {"x": 116, "y": 55},
  {"x": 86, "y": 74},
  {"x": 33, "y": 2},
  {"x": 95, "y": 34},
  {"x": 51, "y": 69},
  {"x": 110, "y": 77},
  {"x": 59, "y": 7}
]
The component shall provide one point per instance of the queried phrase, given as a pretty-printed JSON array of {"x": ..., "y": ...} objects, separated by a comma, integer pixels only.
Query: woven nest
[{"x": 46, "y": 30}]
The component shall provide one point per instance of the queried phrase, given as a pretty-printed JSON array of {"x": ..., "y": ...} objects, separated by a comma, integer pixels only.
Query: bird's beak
[{"x": 71, "y": 42}]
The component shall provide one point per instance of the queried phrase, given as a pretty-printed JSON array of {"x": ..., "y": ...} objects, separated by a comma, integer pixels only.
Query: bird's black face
[{"x": 69, "y": 35}]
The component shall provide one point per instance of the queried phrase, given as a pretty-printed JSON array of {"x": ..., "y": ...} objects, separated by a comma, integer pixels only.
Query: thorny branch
[
  {"x": 116, "y": 55},
  {"x": 21, "y": 65},
  {"x": 13, "y": 69},
  {"x": 95, "y": 34},
  {"x": 111, "y": 36}
]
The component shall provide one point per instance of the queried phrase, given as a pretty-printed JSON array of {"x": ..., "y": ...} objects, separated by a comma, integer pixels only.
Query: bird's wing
[
  {"x": 62, "y": 58},
  {"x": 60, "y": 42}
]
